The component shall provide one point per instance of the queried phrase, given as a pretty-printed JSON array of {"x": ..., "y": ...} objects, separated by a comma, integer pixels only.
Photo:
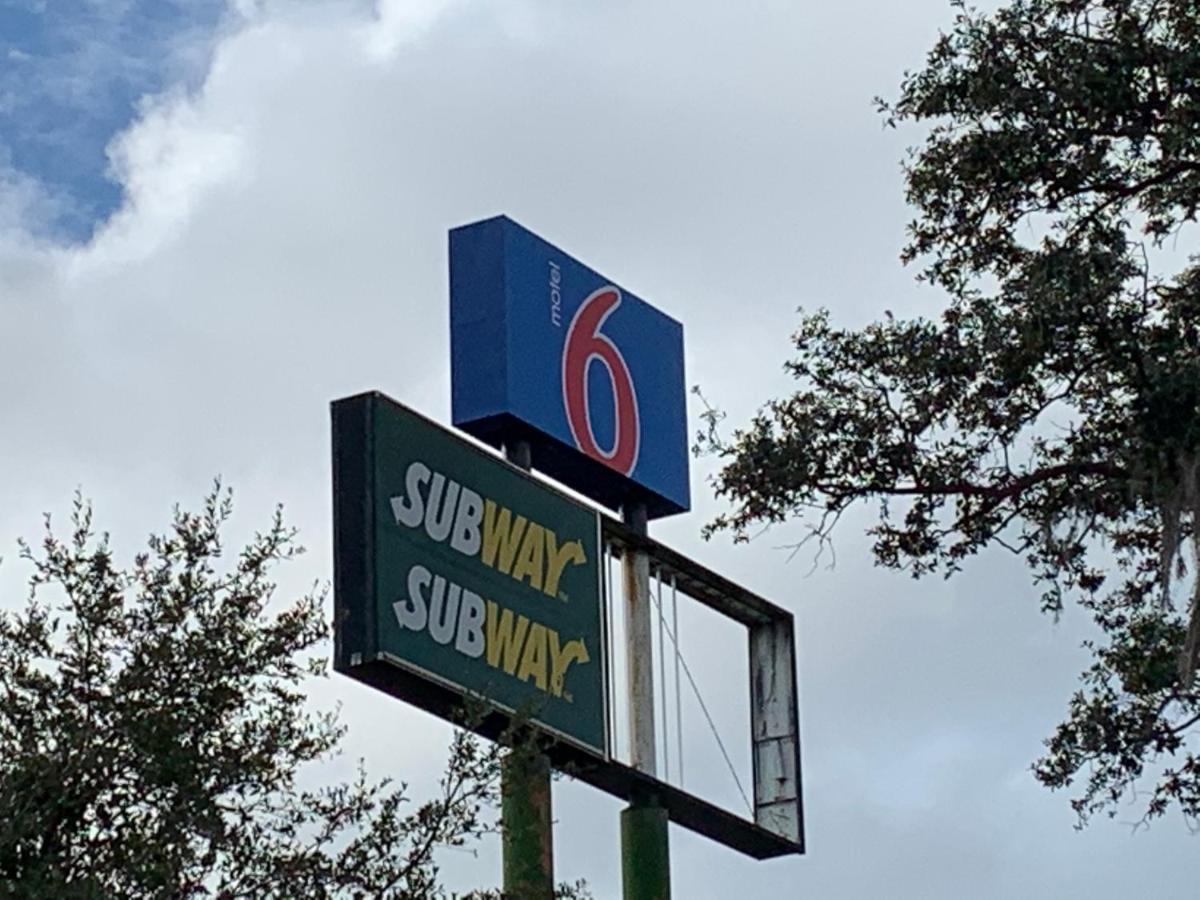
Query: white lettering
[
  {"x": 555, "y": 295},
  {"x": 470, "y": 625},
  {"x": 439, "y": 514},
  {"x": 414, "y": 614},
  {"x": 467, "y": 537},
  {"x": 443, "y": 610},
  {"x": 410, "y": 510}
]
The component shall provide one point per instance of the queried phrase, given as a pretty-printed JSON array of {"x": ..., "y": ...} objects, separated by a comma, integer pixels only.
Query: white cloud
[
  {"x": 400, "y": 22},
  {"x": 25, "y": 204},
  {"x": 173, "y": 159}
]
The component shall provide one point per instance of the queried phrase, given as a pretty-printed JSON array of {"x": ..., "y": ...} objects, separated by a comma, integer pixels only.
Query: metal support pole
[
  {"x": 525, "y": 811},
  {"x": 639, "y": 647},
  {"x": 527, "y": 843},
  {"x": 645, "y": 861}
]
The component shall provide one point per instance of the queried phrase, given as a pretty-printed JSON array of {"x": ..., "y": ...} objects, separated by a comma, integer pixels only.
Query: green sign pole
[
  {"x": 527, "y": 840},
  {"x": 645, "y": 860},
  {"x": 645, "y": 857},
  {"x": 528, "y": 832}
]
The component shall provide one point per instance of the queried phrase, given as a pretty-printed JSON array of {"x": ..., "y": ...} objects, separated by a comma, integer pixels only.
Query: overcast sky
[{"x": 215, "y": 220}]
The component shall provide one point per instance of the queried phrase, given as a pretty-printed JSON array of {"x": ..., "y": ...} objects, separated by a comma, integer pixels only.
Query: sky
[
  {"x": 216, "y": 218},
  {"x": 71, "y": 75}
]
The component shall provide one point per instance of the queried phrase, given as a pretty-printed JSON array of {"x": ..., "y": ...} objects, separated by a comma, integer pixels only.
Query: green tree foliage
[
  {"x": 154, "y": 732},
  {"x": 1053, "y": 406}
]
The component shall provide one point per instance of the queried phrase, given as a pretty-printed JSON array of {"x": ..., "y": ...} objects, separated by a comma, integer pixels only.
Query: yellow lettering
[
  {"x": 504, "y": 640},
  {"x": 533, "y": 660},
  {"x": 501, "y": 535},
  {"x": 561, "y": 659},
  {"x": 557, "y": 558},
  {"x": 529, "y": 560}
]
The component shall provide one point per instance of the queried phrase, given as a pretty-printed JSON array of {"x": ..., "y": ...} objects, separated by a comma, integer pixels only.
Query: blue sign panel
[{"x": 545, "y": 349}]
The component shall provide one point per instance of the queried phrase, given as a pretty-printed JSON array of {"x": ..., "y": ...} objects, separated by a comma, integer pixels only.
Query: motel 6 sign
[{"x": 591, "y": 375}]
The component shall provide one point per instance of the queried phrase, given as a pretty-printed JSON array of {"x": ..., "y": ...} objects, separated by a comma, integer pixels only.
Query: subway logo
[{"x": 531, "y": 553}]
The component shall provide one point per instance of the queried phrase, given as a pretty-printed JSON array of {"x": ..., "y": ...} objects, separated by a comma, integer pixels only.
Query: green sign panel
[{"x": 460, "y": 569}]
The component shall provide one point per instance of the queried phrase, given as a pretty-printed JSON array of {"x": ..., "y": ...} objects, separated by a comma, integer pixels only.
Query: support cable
[
  {"x": 611, "y": 682},
  {"x": 662, "y": 677},
  {"x": 678, "y": 683},
  {"x": 712, "y": 725}
]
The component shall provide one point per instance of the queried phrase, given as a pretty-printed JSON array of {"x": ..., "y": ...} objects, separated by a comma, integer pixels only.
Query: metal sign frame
[{"x": 778, "y": 826}]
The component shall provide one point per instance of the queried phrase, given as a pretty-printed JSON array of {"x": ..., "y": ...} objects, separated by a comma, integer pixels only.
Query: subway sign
[
  {"x": 457, "y": 568},
  {"x": 551, "y": 351}
]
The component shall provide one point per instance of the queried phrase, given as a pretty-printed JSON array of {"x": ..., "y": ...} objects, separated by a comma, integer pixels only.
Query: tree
[
  {"x": 153, "y": 734},
  {"x": 1053, "y": 406}
]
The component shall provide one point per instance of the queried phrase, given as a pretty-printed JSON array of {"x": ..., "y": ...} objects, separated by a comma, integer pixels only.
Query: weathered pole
[
  {"x": 528, "y": 847},
  {"x": 527, "y": 827},
  {"x": 645, "y": 861}
]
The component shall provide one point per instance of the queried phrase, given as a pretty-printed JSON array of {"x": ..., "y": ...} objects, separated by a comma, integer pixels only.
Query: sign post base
[
  {"x": 645, "y": 857},
  {"x": 528, "y": 842},
  {"x": 528, "y": 845}
]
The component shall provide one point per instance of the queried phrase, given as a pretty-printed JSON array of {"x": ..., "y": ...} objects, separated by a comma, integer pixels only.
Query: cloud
[
  {"x": 398, "y": 22},
  {"x": 25, "y": 203},
  {"x": 282, "y": 242}
]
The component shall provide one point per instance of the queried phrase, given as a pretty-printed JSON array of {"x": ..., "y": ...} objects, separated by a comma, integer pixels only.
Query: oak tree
[
  {"x": 156, "y": 740},
  {"x": 1052, "y": 406}
]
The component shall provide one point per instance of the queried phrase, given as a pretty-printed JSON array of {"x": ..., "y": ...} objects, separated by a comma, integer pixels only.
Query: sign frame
[{"x": 778, "y": 825}]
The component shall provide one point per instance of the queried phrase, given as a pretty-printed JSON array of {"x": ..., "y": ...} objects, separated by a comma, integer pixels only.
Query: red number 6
[{"x": 585, "y": 343}]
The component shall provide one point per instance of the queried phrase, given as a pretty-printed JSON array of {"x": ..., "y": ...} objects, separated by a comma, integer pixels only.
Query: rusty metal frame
[{"x": 778, "y": 826}]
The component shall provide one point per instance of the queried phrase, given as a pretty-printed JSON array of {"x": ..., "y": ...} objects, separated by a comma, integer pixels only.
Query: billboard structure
[
  {"x": 459, "y": 575},
  {"x": 467, "y": 611}
]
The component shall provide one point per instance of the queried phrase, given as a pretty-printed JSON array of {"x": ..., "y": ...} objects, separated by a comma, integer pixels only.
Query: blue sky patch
[{"x": 71, "y": 73}]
